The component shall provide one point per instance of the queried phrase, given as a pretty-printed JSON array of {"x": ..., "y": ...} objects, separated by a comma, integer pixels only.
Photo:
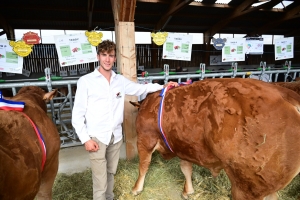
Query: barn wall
[
  {"x": 144, "y": 57},
  {"x": 45, "y": 55}
]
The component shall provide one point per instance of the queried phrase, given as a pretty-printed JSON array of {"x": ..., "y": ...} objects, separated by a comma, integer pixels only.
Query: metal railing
[{"x": 60, "y": 108}]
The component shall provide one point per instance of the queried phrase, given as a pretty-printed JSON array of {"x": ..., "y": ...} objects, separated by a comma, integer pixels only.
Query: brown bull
[
  {"x": 249, "y": 128},
  {"x": 295, "y": 86},
  {"x": 22, "y": 173}
]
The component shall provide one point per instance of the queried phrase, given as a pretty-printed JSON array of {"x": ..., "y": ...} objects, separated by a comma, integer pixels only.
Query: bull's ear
[
  {"x": 135, "y": 104},
  {"x": 50, "y": 95}
]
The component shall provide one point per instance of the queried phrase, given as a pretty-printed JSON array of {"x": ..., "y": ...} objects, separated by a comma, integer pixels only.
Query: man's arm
[{"x": 79, "y": 110}]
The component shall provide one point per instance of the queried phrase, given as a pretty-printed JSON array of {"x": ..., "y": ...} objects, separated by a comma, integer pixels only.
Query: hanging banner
[
  {"x": 234, "y": 50},
  {"x": 178, "y": 47},
  {"x": 284, "y": 48},
  {"x": 74, "y": 49},
  {"x": 255, "y": 45},
  {"x": 9, "y": 61}
]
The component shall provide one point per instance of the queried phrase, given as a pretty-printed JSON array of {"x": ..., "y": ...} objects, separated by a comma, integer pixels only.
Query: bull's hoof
[
  {"x": 184, "y": 196},
  {"x": 136, "y": 192}
]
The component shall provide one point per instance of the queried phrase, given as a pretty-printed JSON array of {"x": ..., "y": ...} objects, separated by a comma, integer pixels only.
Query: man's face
[{"x": 106, "y": 60}]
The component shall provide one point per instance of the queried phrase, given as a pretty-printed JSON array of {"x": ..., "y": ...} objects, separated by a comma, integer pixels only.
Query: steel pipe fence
[{"x": 60, "y": 108}]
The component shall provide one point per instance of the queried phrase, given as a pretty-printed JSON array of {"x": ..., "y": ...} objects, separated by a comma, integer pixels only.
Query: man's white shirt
[{"x": 99, "y": 106}]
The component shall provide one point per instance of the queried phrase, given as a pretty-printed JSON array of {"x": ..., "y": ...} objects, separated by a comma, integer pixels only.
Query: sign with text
[
  {"x": 234, "y": 50},
  {"x": 254, "y": 45},
  {"x": 74, "y": 49},
  {"x": 178, "y": 47},
  {"x": 284, "y": 48},
  {"x": 9, "y": 61}
]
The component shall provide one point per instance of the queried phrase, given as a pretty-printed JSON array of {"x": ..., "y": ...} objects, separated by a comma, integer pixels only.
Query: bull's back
[
  {"x": 21, "y": 157},
  {"x": 210, "y": 121}
]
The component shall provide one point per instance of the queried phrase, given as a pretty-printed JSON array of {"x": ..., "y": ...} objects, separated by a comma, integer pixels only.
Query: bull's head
[{"x": 50, "y": 95}]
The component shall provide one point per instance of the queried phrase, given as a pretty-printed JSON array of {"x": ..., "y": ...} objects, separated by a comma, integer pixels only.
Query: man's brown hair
[{"x": 106, "y": 46}]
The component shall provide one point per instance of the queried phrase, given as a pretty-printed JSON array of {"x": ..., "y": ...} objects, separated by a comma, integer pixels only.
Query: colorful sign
[
  {"x": 94, "y": 38},
  {"x": 178, "y": 47},
  {"x": 74, "y": 49},
  {"x": 254, "y": 45},
  {"x": 21, "y": 48},
  {"x": 159, "y": 38},
  {"x": 284, "y": 48},
  {"x": 31, "y": 38},
  {"x": 9, "y": 60},
  {"x": 234, "y": 50},
  {"x": 218, "y": 43}
]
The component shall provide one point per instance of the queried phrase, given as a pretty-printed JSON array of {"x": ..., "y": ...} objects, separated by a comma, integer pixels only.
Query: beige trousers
[{"x": 104, "y": 164}]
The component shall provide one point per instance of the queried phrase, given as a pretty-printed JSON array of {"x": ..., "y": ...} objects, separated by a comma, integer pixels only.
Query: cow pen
[{"x": 60, "y": 108}]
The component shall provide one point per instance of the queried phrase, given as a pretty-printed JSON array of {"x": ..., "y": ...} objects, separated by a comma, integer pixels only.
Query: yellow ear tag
[
  {"x": 94, "y": 38},
  {"x": 159, "y": 38},
  {"x": 21, "y": 48}
]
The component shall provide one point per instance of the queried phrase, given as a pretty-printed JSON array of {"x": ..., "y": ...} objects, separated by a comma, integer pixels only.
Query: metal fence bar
[{"x": 68, "y": 135}]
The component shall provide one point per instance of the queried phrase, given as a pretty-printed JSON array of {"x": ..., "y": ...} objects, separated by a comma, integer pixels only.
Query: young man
[{"x": 98, "y": 115}]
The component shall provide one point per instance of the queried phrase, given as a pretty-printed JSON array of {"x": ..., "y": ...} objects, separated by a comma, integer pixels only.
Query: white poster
[
  {"x": 234, "y": 50},
  {"x": 284, "y": 48},
  {"x": 9, "y": 60},
  {"x": 74, "y": 49},
  {"x": 254, "y": 45},
  {"x": 178, "y": 47},
  {"x": 217, "y": 60}
]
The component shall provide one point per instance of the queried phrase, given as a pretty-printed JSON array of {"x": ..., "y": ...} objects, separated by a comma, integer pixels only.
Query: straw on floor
[{"x": 164, "y": 181}]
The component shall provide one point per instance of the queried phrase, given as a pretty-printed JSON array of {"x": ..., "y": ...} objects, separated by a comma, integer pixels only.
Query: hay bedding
[{"x": 164, "y": 181}]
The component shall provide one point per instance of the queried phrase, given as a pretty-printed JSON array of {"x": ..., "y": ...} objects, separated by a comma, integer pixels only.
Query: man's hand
[
  {"x": 171, "y": 84},
  {"x": 91, "y": 146}
]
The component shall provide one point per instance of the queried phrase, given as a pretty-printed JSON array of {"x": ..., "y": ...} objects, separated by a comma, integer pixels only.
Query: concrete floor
[{"x": 76, "y": 159}]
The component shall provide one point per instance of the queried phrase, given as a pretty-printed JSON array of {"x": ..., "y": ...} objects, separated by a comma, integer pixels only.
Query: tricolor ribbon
[
  {"x": 10, "y": 105},
  {"x": 160, "y": 110},
  {"x": 19, "y": 106}
]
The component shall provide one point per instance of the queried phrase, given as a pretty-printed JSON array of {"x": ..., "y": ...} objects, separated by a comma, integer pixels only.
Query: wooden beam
[
  {"x": 174, "y": 7},
  {"x": 154, "y": 1},
  {"x": 290, "y": 14},
  {"x": 126, "y": 62},
  {"x": 126, "y": 65},
  {"x": 10, "y": 34},
  {"x": 127, "y": 10},
  {"x": 115, "y": 9},
  {"x": 240, "y": 10},
  {"x": 90, "y": 13},
  {"x": 124, "y": 10}
]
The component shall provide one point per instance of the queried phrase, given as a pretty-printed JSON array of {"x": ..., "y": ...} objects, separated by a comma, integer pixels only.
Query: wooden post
[
  {"x": 126, "y": 59},
  {"x": 154, "y": 55}
]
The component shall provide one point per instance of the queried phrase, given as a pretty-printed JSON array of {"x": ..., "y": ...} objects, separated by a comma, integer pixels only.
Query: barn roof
[{"x": 208, "y": 16}]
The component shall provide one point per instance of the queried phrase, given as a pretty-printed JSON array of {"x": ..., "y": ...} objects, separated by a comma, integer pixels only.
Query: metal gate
[{"x": 60, "y": 108}]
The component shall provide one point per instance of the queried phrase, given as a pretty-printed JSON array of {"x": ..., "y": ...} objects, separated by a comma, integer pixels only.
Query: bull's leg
[
  {"x": 145, "y": 159},
  {"x": 239, "y": 194},
  {"x": 187, "y": 170},
  {"x": 48, "y": 177},
  {"x": 273, "y": 196}
]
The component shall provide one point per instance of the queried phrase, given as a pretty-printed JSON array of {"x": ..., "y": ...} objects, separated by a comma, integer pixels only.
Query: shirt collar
[{"x": 97, "y": 73}]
